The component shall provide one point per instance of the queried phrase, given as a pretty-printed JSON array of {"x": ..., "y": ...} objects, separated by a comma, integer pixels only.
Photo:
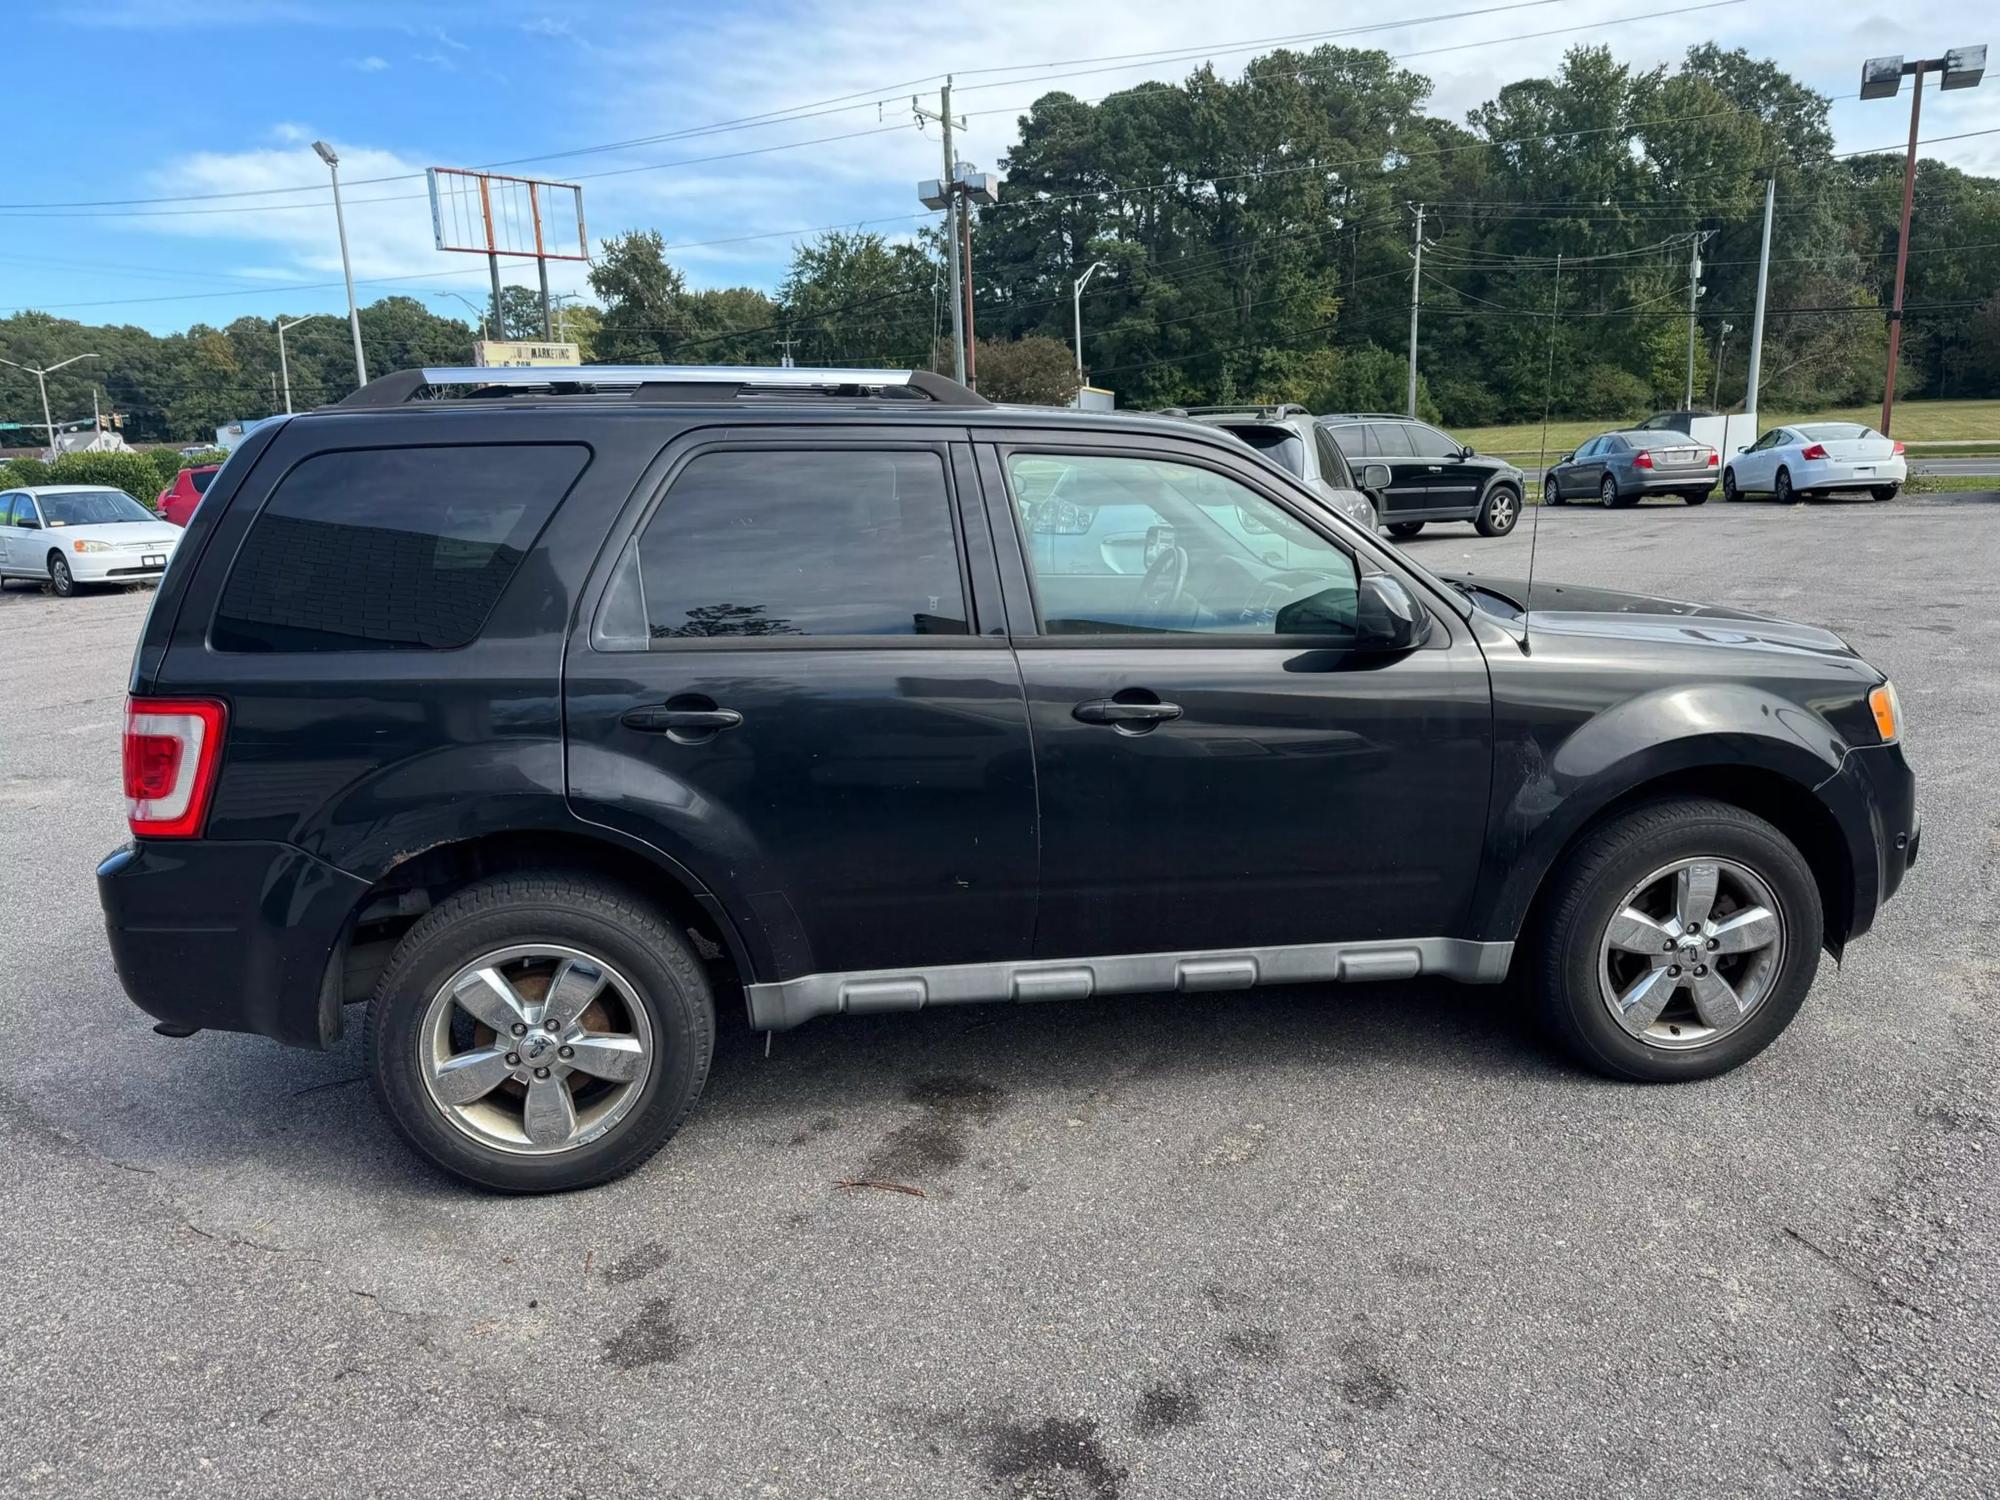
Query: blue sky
[{"x": 169, "y": 99}]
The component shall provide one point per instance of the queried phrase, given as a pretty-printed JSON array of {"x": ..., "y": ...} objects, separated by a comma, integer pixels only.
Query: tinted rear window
[
  {"x": 1837, "y": 432},
  {"x": 1279, "y": 444},
  {"x": 199, "y": 478},
  {"x": 390, "y": 548}
]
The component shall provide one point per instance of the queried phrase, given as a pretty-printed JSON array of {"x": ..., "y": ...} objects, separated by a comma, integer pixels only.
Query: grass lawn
[{"x": 1918, "y": 423}]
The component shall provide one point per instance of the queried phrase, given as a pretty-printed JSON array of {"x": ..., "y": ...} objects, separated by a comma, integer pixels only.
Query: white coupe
[
  {"x": 1817, "y": 458},
  {"x": 69, "y": 535}
]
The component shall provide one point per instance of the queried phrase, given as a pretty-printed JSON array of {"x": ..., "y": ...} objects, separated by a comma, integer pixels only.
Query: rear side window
[
  {"x": 790, "y": 543},
  {"x": 1279, "y": 444},
  {"x": 1332, "y": 462},
  {"x": 199, "y": 478},
  {"x": 390, "y": 548},
  {"x": 1388, "y": 439}
]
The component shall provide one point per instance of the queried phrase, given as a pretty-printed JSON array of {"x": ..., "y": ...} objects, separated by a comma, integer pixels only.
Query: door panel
[
  {"x": 1276, "y": 789},
  {"x": 868, "y": 799}
]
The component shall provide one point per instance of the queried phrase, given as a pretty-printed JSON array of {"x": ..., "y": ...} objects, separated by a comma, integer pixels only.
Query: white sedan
[
  {"x": 1817, "y": 458},
  {"x": 69, "y": 535}
]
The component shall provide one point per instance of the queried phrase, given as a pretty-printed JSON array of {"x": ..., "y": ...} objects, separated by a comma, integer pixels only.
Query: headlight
[
  {"x": 80, "y": 545},
  {"x": 1888, "y": 711}
]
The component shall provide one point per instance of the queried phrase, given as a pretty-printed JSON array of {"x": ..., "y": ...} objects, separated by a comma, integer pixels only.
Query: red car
[{"x": 178, "y": 500}]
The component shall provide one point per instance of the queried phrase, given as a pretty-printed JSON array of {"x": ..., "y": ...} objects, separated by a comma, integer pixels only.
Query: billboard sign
[
  {"x": 488, "y": 352},
  {"x": 486, "y": 213}
]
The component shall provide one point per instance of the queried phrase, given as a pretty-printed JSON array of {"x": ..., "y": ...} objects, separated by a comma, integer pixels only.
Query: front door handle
[
  {"x": 1127, "y": 716},
  {"x": 686, "y": 725}
]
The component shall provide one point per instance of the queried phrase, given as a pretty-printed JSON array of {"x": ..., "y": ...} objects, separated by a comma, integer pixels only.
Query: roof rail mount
[
  {"x": 663, "y": 383},
  {"x": 1250, "y": 408}
]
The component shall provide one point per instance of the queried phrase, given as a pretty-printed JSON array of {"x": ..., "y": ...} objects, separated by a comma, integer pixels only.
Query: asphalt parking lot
[{"x": 1328, "y": 1242}]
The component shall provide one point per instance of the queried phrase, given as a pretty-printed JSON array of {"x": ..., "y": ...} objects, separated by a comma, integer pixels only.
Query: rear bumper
[
  {"x": 228, "y": 936},
  {"x": 1845, "y": 476},
  {"x": 1671, "y": 483}
]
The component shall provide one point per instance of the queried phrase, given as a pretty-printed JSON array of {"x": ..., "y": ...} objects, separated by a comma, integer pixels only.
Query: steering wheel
[{"x": 1165, "y": 582}]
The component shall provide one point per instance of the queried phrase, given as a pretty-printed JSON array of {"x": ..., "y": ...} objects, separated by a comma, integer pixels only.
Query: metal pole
[
  {"x": 1902, "y": 256},
  {"x": 1076, "y": 312},
  {"x": 1416, "y": 298},
  {"x": 1763, "y": 282},
  {"x": 347, "y": 271},
  {"x": 548, "y": 315},
  {"x": 1721, "y": 343},
  {"x": 1694, "y": 289},
  {"x": 951, "y": 211},
  {"x": 284, "y": 367},
  {"x": 971, "y": 335},
  {"x": 49, "y": 422}
]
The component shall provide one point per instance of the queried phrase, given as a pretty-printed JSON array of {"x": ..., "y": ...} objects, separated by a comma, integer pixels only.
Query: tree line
[{"x": 1257, "y": 235}]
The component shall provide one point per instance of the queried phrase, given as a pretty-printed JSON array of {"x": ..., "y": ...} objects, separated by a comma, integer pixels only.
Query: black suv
[
  {"x": 1432, "y": 475},
  {"x": 541, "y": 708}
]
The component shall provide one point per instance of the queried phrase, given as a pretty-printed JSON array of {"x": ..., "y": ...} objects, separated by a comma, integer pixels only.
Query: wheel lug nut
[
  {"x": 513, "y": 1059},
  {"x": 1700, "y": 969},
  {"x": 565, "y": 1052},
  {"x": 541, "y": 1072},
  {"x": 1673, "y": 971},
  {"x": 520, "y": 1028},
  {"x": 1667, "y": 946},
  {"x": 1713, "y": 944},
  {"x": 550, "y": 1026}
]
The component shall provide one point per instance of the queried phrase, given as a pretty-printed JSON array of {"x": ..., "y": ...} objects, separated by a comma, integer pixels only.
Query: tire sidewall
[
  {"x": 1729, "y": 489},
  {"x": 1607, "y": 493},
  {"x": 1781, "y": 487},
  {"x": 1486, "y": 524},
  {"x": 659, "y": 969},
  {"x": 61, "y": 580},
  {"x": 1610, "y": 867}
]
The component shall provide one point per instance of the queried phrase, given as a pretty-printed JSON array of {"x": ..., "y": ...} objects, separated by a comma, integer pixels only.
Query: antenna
[{"x": 1542, "y": 455}]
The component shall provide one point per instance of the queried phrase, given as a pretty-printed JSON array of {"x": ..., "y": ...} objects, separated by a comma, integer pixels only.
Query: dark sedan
[{"x": 1622, "y": 468}]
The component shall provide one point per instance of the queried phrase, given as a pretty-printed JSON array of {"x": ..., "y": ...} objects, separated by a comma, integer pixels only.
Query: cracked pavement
[{"x": 1332, "y": 1241}]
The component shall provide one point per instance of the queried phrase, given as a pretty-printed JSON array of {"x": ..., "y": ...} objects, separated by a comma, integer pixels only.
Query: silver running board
[{"x": 786, "y": 1003}]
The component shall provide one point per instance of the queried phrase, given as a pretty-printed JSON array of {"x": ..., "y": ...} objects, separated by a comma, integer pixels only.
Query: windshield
[
  {"x": 1838, "y": 432},
  {"x": 92, "y": 508}
]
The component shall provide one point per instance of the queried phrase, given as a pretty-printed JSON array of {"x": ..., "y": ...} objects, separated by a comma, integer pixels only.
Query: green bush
[
  {"x": 23, "y": 471},
  {"x": 134, "y": 473}
]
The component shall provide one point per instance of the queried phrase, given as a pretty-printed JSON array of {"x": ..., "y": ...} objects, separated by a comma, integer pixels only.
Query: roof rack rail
[
  {"x": 662, "y": 383},
  {"x": 1247, "y": 408}
]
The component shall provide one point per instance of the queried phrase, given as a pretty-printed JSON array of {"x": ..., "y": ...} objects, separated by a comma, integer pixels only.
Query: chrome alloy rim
[
  {"x": 535, "y": 1049},
  {"x": 1690, "y": 953},
  {"x": 1500, "y": 514}
]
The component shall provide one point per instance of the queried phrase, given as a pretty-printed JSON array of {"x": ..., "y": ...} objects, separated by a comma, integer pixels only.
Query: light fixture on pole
[
  {"x": 479, "y": 314},
  {"x": 284, "y": 367},
  {"x": 42, "y": 379},
  {"x": 1076, "y": 305},
  {"x": 326, "y": 154},
  {"x": 1882, "y": 78}
]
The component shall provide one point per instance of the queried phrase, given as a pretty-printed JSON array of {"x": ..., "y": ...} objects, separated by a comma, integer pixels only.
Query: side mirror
[
  {"x": 29, "y": 523},
  {"x": 1387, "y": 618},
  {"x": 1465, "y": 451},
  {"x": 1566, "y": 458},
  {"x": 1374, "y": 476}
]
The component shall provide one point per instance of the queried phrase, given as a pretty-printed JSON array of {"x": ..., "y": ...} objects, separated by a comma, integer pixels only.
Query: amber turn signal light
[{"x": 1888, "y": 711}]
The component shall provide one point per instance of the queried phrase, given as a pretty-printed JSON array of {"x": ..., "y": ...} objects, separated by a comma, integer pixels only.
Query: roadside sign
[{"x": 496, "y": 352}]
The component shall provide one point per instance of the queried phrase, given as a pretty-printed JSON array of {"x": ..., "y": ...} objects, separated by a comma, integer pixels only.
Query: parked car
[
  {"x": 1623, "y": 468},
  {"x": 544, "y": 720},
  {"x": 71, "y": 535},
  {"x": 1290, "y": 438},
  {"x": 178, "y": 500},
  {"x": 1814, "y": 459},
  {"x": 1432, "y": 475}
]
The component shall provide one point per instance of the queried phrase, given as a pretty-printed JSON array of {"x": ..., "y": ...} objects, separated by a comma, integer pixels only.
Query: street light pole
[
  {"x": 1076, "y": 305},
  {"x": 326, "y": 154},
  {"x": 284, "y": 368},
  {"x": 42, "y": 380},
  {"x": 1882, "y": 78}
]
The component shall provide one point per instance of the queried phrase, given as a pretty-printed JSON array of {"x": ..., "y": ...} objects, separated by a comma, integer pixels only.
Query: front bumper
[
  {"x": 118, "y": 567},
  {"x": 1876, "y": 783},
  {"x": 228, "y": 936}
]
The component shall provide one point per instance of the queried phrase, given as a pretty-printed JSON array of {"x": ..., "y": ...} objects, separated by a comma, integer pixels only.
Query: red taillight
[
  {"x": 1714, "y": 458},
  {"x": 1816, "y": 452},
  {"x": 1642, "y": 460},
  {"x": 1896, "y": 448},
  {"x": 172, "y": 749}
]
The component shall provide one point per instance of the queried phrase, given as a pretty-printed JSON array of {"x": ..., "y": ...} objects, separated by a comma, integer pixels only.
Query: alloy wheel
[
  {"x": 535, "y": 1049},
  {"x": 1500, "y": 511},
  {"x": 1608, "y": 493},
  {"x": 1551, "y": 491},
  {"x": 1691, "y": 952}
]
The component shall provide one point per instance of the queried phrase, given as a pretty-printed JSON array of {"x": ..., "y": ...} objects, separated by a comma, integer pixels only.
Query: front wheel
[
  {"x": 1729, "y": 490},
  {"x": 1401, "y": 529},
  {"x": 1679, "y": 941},
  {"x": 1501, "y": 510},
  {"x": 1551, "y": 491},
  {"x": 539, "y": 1032},
  {"x": 60, "y": 578}
]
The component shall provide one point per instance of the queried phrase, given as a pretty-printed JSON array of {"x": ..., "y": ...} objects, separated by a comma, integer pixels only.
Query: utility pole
[
  {"x": 785, "y": 347},
  {"x": 284, "y": 366},
  {"x": 326, "y": 154},
  {"x": 42, "y": 379},
  {"x": 1416, "y": 300},
  {"x": 1763, "y": 285},
  {"x": 1076, "y": 306},
  {"x": 965, "y": 228},
  {"x": 1721, "y": 345},
  {"x": 1882, "y": 78},
  {"x": 950, "y": 204},
  {"x": 1694, "y": 291}
]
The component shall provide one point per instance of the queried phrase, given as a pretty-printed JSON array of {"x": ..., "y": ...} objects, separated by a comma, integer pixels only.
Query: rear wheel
[
  {"x": 1781, "y": 488},
  {"x": 1607, "y": 493},
  {"x": 540, "y": 1032},
  {"x": 1501, "y": 510},
  {"x": 1679, "y": 941},
  {"x": 1405, "y": 528},
  {"x": 60, "y": 578},
  {"x": 1696, "y": 497},
  {"x": 1886, "y": 491}
]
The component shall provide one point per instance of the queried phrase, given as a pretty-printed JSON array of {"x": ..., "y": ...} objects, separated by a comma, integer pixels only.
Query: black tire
[
  {"x": 1886, "y": 491},
  {"x": 1607, "y": 493},
  {"x": 1405, "y": 528},
  {"x": 1696, "y": 497},
  {"x": 595, "y": 915},
  {"x": 1782, "y": 491},
  {"x": 1729, "y": 490},
  {"x": 1594, "y": 878},
  {"x": 61, "y": 582},
  {"x": 1501, "y": 511},
  {"x": 1551, "y": 491}
]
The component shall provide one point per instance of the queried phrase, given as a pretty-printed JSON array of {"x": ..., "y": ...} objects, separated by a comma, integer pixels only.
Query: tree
[
  {"x": 643, "y": 315},
  {"x": 856, "y": 299},
  {"x": 1035, "y": 371}
]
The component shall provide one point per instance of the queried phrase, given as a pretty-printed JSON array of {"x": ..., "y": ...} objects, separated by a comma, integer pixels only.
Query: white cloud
[{"x": 369, "y": 64}]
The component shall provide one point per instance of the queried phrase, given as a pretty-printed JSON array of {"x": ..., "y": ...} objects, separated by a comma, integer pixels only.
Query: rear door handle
[
  {"x": 1110, "y": 711},
  {"x": 680, "y": 722}
]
